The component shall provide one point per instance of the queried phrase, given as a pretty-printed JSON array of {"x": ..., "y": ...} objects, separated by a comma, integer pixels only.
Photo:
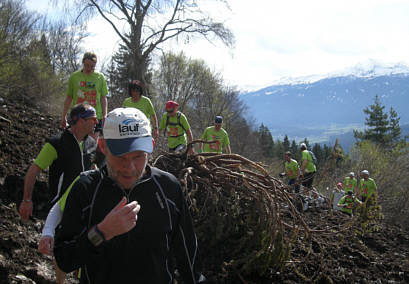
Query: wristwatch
[{"x": 95, "y": 236}]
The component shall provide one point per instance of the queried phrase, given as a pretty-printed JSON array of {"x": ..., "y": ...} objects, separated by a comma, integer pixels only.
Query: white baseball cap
[
  {"x": 127, "y": 130},
  {"x": 365, "y": 172}
]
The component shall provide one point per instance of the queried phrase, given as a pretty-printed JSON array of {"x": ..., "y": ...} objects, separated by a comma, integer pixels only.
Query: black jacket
[
  {"x": 70, "y": 162},
  {"x": 143, "y": 255}
]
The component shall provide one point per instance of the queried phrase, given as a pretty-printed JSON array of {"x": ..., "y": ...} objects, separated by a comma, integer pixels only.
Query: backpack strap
[{"x": 177, "y": 123}]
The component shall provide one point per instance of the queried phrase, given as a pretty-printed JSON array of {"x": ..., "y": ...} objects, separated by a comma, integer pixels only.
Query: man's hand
[
  {"x": 26, "y": 209},
  {"x": 46, "y": 245},
  {"x": 120, "y": 220}
]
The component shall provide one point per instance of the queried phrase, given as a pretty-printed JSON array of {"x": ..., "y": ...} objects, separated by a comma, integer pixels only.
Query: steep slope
[{"x": 380, "y": 257}]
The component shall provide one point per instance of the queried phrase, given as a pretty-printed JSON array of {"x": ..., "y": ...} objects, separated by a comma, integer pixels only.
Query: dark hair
[
  {"x": 78, "y": 111},
  {"x": 135, "y": 85},
  {"x": 89, "y": 55}
]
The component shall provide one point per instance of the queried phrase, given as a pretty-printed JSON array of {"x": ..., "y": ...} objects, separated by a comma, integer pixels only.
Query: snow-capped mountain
[
  {"x": 319, "y": 106},
  {"x": 369, "y": 68}
]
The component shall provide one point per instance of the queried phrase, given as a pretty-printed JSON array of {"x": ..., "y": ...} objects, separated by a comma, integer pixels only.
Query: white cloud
[{"x": 290, "y": 38}]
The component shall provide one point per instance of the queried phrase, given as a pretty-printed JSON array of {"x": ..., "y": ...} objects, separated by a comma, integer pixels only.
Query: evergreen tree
[
  {"x": 265, "y": 141},
  {"x": 382, "y": 130},
  {"x": 286, "y": 144},
  {"x": 394, "y": 127},
  {"x": 294, "y": 148},
  {"x": 279, "y": 149},
  {"x": 319, "y": 154}
]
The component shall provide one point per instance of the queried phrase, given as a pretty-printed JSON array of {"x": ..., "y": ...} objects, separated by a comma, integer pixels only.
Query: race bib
[{"x": 173, "y": 131}]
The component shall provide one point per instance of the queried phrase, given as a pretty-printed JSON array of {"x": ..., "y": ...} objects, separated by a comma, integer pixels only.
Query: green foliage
[
  {"x": 368, "y": 216},
  {"x": 382, "y": 129},
  {"x": 387, "y": 168},
  {"x": 28, "y": 67},
  {"x": 266, "y": 142}
]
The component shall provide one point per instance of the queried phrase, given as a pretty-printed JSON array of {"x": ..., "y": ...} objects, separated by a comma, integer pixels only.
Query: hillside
[{"x": 332, "y": 255}]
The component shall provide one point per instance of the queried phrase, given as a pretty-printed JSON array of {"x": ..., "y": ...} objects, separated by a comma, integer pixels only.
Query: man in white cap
[
  {"x": 124, "y": 223},
  {"x": 350, "y": 183},
  {"x": 367, "y": 186}
]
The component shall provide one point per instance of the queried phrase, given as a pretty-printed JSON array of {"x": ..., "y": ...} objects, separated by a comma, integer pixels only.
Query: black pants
[{"x": 308, "y": 179}]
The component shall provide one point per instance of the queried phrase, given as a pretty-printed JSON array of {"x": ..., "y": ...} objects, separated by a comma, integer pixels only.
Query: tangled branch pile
[{"x": 245, "y": 216}]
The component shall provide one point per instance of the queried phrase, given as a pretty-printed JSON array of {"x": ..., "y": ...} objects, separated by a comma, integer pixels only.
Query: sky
[{"x": 278, "y": 39}]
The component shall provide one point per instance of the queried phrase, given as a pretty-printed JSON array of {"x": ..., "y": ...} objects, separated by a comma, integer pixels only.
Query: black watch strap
[{"x": 95, "y": 236}]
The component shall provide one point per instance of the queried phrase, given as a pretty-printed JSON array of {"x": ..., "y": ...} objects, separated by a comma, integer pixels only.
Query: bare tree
[
  {"x": 64, "y": 42},
  {"x": 202, "y": 95},
  {"x": 150, "y": 23}
]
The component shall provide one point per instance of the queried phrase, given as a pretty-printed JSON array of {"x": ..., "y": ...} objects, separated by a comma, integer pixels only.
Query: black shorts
[{"x": 308, "y": 179}]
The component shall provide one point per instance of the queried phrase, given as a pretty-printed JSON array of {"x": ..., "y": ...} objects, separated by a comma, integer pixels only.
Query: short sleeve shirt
[
  {"x": 87, "y": 88},
  {"x": 48, "y": 155},
  {"x": 176, "y": 134},
  {"x": 291, "y": 168},
  {"x": 349, "y": 201},
  {"x": 221, "y": 136},
  {"x": 367, "y": 187},
  {"x": 144, "y": 104},
  {"x": 350, "y": 184},
  {"x": 310, "y": 168}
]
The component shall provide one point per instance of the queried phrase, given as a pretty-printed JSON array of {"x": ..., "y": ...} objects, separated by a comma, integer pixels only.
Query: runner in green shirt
[
  {"x": 308, "y": 168},
  {"x": 367, "y": 186},
  {"x": 350, "y": 183},
  {"x": 348, "y": 202},
  {"x": 144, "y": 104},
  {"x": 292, "y": 170},
  {"x": 177, "y": 127},
  {"x": 218, "y": 134},
  {"x": 86, "y": 85}
]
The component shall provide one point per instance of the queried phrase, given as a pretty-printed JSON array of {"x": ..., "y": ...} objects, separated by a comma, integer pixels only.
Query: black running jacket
[{"x": 144, "y": 254}]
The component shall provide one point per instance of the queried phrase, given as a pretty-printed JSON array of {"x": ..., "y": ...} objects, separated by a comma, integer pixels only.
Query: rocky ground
[{"x": 344, "y": 257}]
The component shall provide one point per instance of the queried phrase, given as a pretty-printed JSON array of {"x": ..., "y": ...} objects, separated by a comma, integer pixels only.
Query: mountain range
[{"x": 322, "y": 108}]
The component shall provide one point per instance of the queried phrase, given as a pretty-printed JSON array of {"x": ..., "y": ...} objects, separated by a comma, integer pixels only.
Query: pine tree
[
  {"x": 294, "y": 148},
  {"x": 265, "y": 141},
  {"x": 279, "y": 149},
  {"x": 394, "y": 128},
  {"x": 382, "y": 130},
  {"x": 286, "y": 143},
  {"x": 316, "y": 149}
]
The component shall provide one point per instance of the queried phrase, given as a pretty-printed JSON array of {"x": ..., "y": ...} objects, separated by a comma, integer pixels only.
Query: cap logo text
[{"x": 127, "y": 129}]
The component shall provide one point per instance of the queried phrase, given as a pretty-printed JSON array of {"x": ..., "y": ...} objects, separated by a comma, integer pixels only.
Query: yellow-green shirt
[
  {"x": 48, "y": 155},
  {"x": 176, "y": 133},
  {"x": 221, "y": 136},
  {"x": 87, "y": 88},
  {"x": 310, "y": 168},
  {"x": 291, "y": 168},
  {"x": 144, "y": 104},
  {"x": 350, "y": 184},
  {"x": 367, "y": 187}
]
